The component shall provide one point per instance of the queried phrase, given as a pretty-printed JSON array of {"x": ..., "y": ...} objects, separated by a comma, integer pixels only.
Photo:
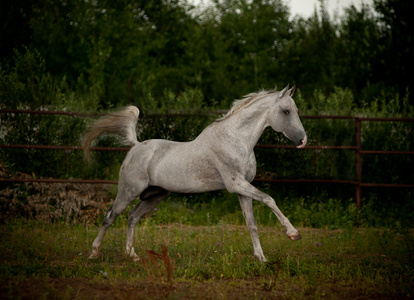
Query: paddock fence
[{"x": 357, "y": 148}]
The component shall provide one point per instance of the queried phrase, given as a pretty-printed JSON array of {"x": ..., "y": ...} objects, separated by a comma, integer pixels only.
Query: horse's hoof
[
  {"x": 261, "y": 257},
  {"x": 135, "y": 257},
  {"x": 295, "y": 237}
]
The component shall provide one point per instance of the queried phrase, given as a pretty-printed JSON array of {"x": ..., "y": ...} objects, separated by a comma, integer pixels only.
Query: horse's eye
[{"x": 286, "y": 112}]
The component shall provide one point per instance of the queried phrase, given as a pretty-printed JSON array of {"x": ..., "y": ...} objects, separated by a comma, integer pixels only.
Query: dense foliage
[{"x": 119, "y": 52}]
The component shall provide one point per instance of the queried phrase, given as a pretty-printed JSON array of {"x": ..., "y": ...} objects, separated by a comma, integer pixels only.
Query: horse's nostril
[{"x": 302, "y": 142}]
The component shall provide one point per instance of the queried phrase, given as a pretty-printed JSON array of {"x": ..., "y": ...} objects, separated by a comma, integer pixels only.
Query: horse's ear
[
  {"x": 291, "y": 91},
  {"x": 283, "y": 92}
]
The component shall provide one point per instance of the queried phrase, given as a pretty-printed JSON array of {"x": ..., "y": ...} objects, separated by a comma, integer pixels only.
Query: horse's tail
[{"x": 122, "y": 123}]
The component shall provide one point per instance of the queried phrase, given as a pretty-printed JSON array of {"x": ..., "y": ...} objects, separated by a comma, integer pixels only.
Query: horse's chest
[
  {"x": 245, "y": 164},
  {"x": 251, "y": 167}
]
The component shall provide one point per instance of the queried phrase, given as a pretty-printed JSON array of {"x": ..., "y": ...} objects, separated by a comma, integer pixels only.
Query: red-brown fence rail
[{"x": 357, "y": 148}]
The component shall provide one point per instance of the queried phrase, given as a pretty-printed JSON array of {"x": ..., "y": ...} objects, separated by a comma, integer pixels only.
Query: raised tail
[{"x": 122, "y": 123}]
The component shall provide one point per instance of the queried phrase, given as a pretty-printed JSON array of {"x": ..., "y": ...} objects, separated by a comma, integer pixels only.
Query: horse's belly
[
  {"x": 190, "y": 179},
  {"x": 196, "y": 188}
]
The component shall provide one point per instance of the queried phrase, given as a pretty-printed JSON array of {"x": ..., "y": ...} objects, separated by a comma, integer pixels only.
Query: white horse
[{"x": 221, "y": 157}]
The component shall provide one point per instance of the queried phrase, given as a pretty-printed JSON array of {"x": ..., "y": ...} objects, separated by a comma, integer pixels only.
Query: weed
[{"x": 158, "y": 265}]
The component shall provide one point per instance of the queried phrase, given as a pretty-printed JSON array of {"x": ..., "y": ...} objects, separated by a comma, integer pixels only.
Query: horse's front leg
[
  {"x": 247, "y": 209},
  {"x": 238, "y": 184}
]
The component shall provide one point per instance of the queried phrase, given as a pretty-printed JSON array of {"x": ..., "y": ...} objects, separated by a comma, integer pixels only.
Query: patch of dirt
[
  {"x": 76, "y": 288},
  {"x": 72, "y": 203},
  {"x": 73, "y": 288}
]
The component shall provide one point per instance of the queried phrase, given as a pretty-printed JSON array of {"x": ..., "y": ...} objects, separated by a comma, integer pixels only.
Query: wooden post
[{"x": 358, "y": 162}]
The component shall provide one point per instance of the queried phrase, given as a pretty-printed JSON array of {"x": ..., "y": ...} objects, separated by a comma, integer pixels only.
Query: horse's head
[{"x": 283, "y": 117}]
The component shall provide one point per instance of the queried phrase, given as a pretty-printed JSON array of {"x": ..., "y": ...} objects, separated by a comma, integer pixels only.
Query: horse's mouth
[{"x": 302, "y": 142}]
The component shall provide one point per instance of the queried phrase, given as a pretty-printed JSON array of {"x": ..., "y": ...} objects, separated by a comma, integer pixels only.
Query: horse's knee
[
  {"x": 110, "y": 217},
  {"x": 269, "y": 201},
  {"x": 133, "y": 219},
  {"x": 106, "y": 217}
]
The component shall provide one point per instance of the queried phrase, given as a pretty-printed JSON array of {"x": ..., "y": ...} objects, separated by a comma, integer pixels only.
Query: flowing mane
[{"x": 245, "y": 102}]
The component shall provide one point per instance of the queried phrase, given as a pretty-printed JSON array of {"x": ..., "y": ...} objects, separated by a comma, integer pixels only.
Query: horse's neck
[{"x": 247, "y": 126}]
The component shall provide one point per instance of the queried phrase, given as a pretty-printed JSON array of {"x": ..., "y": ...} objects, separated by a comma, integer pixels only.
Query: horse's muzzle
[{"x": 302, "y": 142}]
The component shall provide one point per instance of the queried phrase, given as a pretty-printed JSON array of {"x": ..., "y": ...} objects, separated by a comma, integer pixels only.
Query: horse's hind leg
[
  {"x": 144, "y": 207},
  {"x": 121, "y": 202}
]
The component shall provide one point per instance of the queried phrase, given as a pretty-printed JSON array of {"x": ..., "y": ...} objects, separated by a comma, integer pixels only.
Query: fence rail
[
  {"x": 51, "y": 147},
  {"x": 357, "y": 148}
]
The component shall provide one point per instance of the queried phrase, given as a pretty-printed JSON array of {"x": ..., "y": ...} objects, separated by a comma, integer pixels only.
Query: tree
[
  {"x": 15, "y": 32},
  {"x": 247, "y": 38},
  {"x": 361, "y": 49},
  {"x": 311, "y": 55},
  {"x": 396, "y": 39}
]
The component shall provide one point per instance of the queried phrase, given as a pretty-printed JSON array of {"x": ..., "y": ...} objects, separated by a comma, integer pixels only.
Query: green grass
[
  {"x": 317, "y": 211},
  {"x": 217, "y": 259}
]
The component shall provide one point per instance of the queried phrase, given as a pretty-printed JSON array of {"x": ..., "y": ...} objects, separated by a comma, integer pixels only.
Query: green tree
[
  {"x": 15, "y": 32},
  {"x": 244, "y": 40},
  {"x": 361, "y": 49},
  {"x": 150, "y": 52},
  {"x": 396, "y": 40},
  {"x": 312, "y": 55},
  {"x": 106, "y": 44}
]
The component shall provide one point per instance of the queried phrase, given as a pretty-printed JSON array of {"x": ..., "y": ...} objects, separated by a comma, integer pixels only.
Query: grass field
[{"x": 50, "y": 261}]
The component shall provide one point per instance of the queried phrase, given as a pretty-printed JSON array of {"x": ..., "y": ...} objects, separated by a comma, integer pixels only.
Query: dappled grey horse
[{"x": 221, "y": 157}]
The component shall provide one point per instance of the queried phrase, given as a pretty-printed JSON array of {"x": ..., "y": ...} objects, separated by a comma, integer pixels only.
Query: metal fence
[{"x": 358, "y": 183}]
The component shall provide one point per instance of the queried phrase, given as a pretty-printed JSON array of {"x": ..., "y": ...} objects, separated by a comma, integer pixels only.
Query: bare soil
[{"x": 76, "y": 288}]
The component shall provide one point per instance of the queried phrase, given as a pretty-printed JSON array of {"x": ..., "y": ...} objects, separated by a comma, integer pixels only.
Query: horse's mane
[{"x": 246, "y": 101}]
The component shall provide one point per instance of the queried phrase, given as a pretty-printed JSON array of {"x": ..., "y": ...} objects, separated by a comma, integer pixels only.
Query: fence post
[{"x": 358, "y": 163}]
